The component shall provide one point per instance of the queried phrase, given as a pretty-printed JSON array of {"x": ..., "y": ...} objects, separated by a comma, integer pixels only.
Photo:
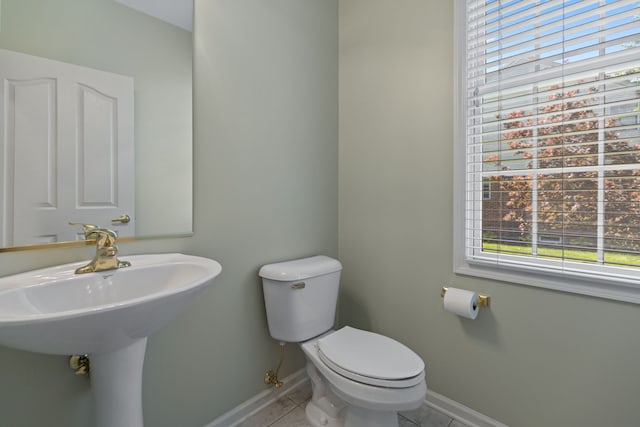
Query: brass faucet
[{"x": 106, "y": 250}]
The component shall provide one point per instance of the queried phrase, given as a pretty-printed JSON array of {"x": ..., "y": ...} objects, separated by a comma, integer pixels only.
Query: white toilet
[{"x": 359, "y": 378}]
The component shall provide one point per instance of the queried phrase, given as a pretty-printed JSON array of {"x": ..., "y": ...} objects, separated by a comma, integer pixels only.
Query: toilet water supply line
[{"x": 271, "y": 377}]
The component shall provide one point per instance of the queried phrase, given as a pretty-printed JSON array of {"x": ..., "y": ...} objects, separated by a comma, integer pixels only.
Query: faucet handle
[
  {"x": 90, "y": 229},
  {"x": 86, "y": 228}
]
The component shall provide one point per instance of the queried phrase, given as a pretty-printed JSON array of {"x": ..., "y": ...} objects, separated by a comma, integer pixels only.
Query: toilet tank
[{"x": 300, "y": 297}]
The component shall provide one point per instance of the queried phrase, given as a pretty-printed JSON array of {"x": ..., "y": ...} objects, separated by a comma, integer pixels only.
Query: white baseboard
[
  {"x": 259, "y": 401},
  {"x": 459, "y": 412}
]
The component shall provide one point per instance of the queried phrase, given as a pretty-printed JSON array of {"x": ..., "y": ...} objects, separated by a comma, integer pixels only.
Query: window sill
[{"x": 601, "y": 288}]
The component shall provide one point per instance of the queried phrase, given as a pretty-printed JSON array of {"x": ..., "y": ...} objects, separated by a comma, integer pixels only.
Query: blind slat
[
  {"x": 627, "y": 57},
  {"x": 568, "y": 43},
  {"x": 610, "y": 12}
]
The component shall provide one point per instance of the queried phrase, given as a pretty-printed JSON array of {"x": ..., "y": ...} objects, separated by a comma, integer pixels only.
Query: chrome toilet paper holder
[{"x": 483, "y": 300}]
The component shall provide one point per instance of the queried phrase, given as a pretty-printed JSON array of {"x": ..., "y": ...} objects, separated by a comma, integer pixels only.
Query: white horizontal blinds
[{"x": 553, "y": 132}]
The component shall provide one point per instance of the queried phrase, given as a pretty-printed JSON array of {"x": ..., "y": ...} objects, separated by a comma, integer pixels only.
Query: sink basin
[
  {"x": 107, "y": 315},
  {"x": 55, "y": 311}
]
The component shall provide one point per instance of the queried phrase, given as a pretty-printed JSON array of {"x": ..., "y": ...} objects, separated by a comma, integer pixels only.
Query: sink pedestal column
[{"x": 116, "y": 381}]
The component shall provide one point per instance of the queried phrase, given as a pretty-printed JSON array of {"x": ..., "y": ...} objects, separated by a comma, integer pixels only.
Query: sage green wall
[
  {"x": 266, "y": 189},
  {"x": 108, "y": 36},
  {"x": 536, "y": 357}
]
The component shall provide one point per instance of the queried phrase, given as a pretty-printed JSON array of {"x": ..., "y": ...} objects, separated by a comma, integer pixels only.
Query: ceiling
[{"x": 175, "y": 12}]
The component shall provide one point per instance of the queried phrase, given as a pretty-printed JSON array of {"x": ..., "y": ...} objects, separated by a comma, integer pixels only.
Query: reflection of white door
[{"x": 67, "y": 149}]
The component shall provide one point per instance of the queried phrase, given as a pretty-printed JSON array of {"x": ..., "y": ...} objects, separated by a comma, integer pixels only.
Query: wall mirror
[{"x": 150, "y": 42}]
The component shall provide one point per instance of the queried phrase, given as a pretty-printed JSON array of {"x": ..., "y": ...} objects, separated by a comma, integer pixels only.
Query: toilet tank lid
[{"x": 299, "y": 269}]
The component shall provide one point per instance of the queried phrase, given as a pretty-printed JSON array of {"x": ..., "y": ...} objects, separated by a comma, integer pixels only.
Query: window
[{"x": 548, "y": 143}]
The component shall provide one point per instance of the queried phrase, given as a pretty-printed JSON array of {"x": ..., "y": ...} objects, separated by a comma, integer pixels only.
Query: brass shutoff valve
[
  {"x": 80, "y": 364},
  {"x": 271, "y": 377}
]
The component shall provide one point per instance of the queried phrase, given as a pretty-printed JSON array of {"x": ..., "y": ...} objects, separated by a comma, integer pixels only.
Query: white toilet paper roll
[{"x": 461, "y": 302}]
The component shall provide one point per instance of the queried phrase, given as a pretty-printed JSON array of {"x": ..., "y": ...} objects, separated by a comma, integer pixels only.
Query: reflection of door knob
[{"x": 124, "y": 219}]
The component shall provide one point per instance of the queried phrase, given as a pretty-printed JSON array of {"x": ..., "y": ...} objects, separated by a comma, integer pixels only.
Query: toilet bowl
[
  {"x": 372, "y": 376},
  {"x": 358, "y": 378}
]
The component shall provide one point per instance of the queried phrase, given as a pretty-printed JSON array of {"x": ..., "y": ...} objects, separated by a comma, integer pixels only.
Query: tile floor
[{"x": 288, "y": 411}]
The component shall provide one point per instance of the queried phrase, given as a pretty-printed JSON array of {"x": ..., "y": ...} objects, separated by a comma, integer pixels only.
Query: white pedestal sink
[{"x": 108, "y": 315}]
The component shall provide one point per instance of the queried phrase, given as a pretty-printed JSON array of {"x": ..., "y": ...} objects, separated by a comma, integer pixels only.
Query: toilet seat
[{"x": 370, "y": 358}]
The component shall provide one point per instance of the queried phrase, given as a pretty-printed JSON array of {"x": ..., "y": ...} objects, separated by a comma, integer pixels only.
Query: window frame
[{"x": 578, "y": 282}]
